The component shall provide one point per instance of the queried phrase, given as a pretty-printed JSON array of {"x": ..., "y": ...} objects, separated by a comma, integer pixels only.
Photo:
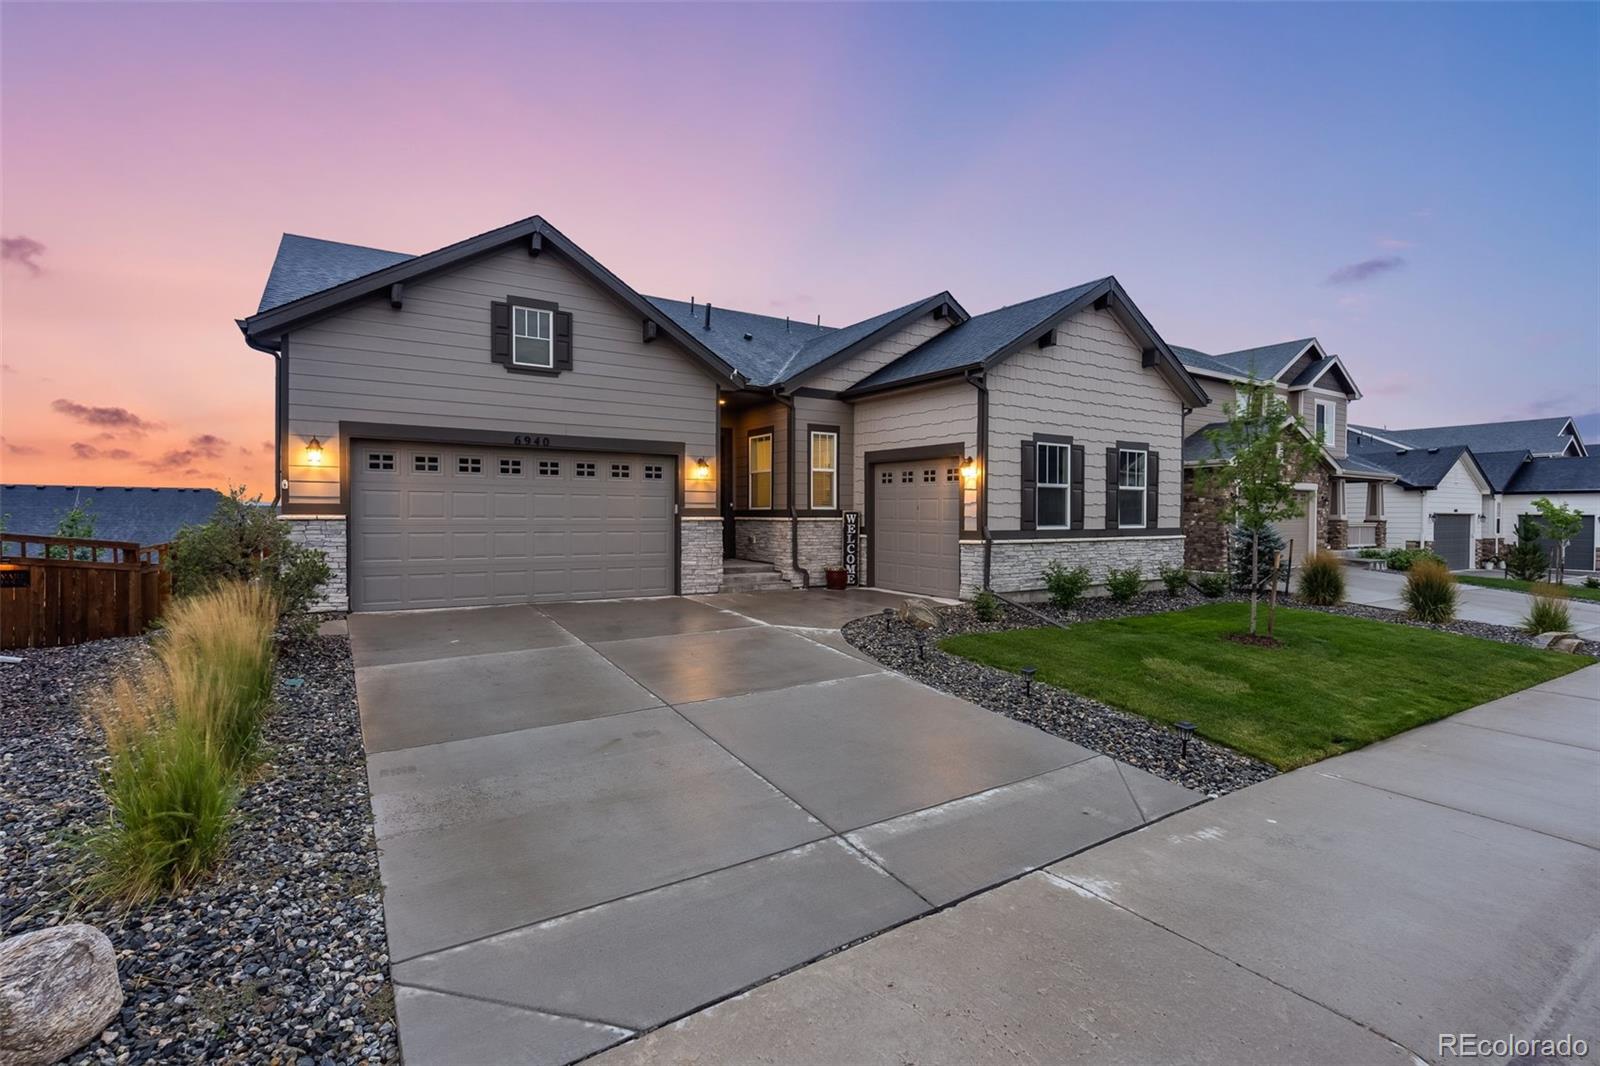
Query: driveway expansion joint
[
  {"x": 1462, "y": 810},
  {"x": 622, "y": 1031}
]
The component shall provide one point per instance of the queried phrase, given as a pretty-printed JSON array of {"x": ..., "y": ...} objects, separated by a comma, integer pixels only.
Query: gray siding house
[{"x": 504, "y": 420}]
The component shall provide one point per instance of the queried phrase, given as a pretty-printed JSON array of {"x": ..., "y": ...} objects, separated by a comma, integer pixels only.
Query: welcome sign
[{"x": 852, "y": 533}]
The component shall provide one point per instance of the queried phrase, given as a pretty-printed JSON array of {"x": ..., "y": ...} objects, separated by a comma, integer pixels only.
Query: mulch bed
[{"x": 280, "y": 957}]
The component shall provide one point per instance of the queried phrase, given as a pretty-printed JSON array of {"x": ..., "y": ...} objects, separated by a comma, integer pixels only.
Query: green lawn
[
  {"x": 1577, "y": 592},
  {"x": 1336, "y": 684}
]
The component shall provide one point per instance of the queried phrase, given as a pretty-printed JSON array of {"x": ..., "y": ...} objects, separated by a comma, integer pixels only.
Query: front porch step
[{"x": 748, "y": 575}]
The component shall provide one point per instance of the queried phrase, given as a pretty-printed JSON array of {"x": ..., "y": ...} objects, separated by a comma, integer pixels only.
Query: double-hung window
[
  {"x": 761, "y": 472},
  {"x": 1324, "y": 421},
  {"x": 532, "y": 337},
  {"x": 1053, "y": 486},
  {"x": 824, "y": 471},
  {"x": 1131, "y": 484}
]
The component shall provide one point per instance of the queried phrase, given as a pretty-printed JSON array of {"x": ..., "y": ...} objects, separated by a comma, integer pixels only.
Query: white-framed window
[
  {"x": 532, "y": 337},
  {"x": 511, "y": 467},
  {"x": 761, "y": 472},
  {"x": 380, "y": 460},
  {"x": 824, "y": 471},
  {"x": 583, "y": 470},
  {"x": 886, "y": 477},
  {"x": 1325, "y": 416},
  {"x": 469, "y": 464},
  {"x": 1131, "y": 484},
  {"x": 549, "y": 468},
  {"x": 1052, "y": 488},
  {"x": 621, "y": 470},
  {"x": 425, "y": 464},
  {"x": 654, "y": 472}
]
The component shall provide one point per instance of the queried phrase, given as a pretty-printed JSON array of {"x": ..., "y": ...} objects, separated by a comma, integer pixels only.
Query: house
[
  {"x": 137, "y": 515},
  {"x": 1510, "y": 464},
  {"x": 505, "y": 420},
  {"x": 1342, "y": 499}
]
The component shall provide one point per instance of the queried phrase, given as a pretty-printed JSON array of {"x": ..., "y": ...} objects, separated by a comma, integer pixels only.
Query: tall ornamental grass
[
  {"x": 1548, "y": 612},
  {"x": 1430, "y": 592},
  {"x": 181, "y": 732},
  {"x": 1322, "y": 579}
]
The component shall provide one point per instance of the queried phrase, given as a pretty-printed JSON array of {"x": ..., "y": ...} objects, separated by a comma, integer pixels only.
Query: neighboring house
[
  {"x": 1341, "y": 498},
  {"x": 505, "y": 420},
  {"x": 1437, "y": 500},
  {"x": 139, "y": 515},
  {"x": 1519, "y": 461}
]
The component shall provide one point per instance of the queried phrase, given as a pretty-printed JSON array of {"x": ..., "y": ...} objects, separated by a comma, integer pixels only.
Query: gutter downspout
[
  {"x": 982, "y": 457},
  {"x": 279, "y": 388},
  {"x": 794, "y": 516}
]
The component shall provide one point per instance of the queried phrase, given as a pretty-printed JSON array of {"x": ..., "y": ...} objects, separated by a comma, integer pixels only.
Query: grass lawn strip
[
  {"x": 1336, "y": 683},
  {"x": 1511, "y": 584}
]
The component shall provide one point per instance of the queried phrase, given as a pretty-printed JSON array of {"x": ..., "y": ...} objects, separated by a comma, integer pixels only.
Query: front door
[{"x": 730, "y": 542}]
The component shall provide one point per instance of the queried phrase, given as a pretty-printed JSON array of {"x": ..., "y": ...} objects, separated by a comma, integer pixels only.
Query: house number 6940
[{"x": 531, "y": 442}]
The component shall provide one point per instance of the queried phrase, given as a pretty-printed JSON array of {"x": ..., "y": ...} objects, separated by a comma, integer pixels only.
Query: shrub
[
  {"x": 1124, "y": 585},
  {"x": 1548, "y": 612},
  {"x": 986, "y": 605},
  {"x": 1371, "y": 553},
  {"x": 1591, "y": 582},
  {"x": 1526, "y": 560},
  {"x": 245, "y": 541},
  {"x": 1239, "y": 553},
  {"x": 1176, "y": 578},
  {"x": 1212, "y": 585},
  {"x": 1066, "y": 587},
  {"x": 217, "y": 650},
  {"x": 1322, "y": 579},
  {"x": 1403, "y": 559},
  {"x": 1430, "y": 592},
  {"x": 170, "y": 792}
]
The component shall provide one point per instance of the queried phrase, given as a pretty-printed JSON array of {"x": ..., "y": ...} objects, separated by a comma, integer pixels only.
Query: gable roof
[
  {"x": 1421, "y": 468},
  {"x": 1536, "y": 435},
  {"x": 985, "y": 340},
  {"x": 843, "y": 343},
  {"x": 1567, "y": 473},
  {"x": 141, "y": 515},
  {"x": 1322, "y": 367},
  {"x": 1266, "y": 362},
  {"x": 1200, "y": 450},
  {"x": 1500, "y": 467},
  {"x": 306, "y": 265},
  {"x": 266, "y": 326}
]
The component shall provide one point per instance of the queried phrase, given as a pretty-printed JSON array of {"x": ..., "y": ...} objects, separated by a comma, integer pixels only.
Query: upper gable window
[
  {"x": 1325, "y": 421},
  {"x": 533, "y": 337}
]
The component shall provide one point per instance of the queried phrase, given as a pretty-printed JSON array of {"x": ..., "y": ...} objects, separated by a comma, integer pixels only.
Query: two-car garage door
[{"x": 436, "y": 525}]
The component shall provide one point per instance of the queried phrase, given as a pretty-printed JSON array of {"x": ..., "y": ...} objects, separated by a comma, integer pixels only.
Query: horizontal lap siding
[
  {"x": 428, "y": 364},
  {"x": 1308, "y": 411},
  {"x": 814, "y": 410},
  {"x": 869, "y": 360},
  {"x": 775, "y": 415},
  {"x": 1402, "y": 512},
  {"x": 1458, "y": 493},
  {"x": 1091, "y": 387}
]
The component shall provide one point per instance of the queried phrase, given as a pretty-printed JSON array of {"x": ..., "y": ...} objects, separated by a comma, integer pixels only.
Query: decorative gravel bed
[
  {"x": 1137, "y": 741},
  {"x": 280, "y": 957}
]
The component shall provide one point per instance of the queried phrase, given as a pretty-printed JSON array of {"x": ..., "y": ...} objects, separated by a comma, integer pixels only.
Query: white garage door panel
[{"x": 430, "y": 528}]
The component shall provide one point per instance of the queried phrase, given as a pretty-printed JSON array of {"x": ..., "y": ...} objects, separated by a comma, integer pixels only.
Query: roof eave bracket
[
  {"x": 397, "y": 295},
  {"x": 535, "y": 245}
]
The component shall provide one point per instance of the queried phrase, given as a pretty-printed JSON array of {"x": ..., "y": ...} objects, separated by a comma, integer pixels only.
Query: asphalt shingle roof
[
  {"x": 1267, "y": 362},
  {"x": 1415, "y": 468},
  {"x": 145, "y": 516},
  {"x": 1500, "y": 467},
  {"x": 1355, "y": 464},
  {"x": 1529, "y": 434},
  {"x": 305, "y": 265},
  {"x": 773, "y": 341},
  {"x": 974, "y": 340},
  {"x": 1197, "y": 446},
  {"x": 1570, "y": 473},
  {"x": 830, "y": 344}
]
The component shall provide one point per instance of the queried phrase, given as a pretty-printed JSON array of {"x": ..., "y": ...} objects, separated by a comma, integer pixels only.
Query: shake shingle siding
[
  {"x": 428, "y": 364},
  {"x": 914, "y": 418},
  {"x": 817, "y": 411},
  {"x": 1091, "y": 387},
  {"x": 843, "y": 375}
]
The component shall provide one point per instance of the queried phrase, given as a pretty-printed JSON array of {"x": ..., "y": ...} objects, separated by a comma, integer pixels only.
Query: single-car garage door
[
  {"x": 436, "y": 525},
  {"x": 1452, "y": 539},
  {"x": 914, "y": 543},
  {"x": 1296, "y": 532}
]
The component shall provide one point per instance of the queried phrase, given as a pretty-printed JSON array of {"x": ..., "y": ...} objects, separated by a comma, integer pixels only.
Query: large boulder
[
  {"x": 58, "y": 989},
  {"x": 919, "y": 613}
]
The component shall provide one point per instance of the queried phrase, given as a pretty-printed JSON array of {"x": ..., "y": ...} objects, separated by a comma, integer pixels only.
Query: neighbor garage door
[
  {"x": 1296, "y": 531},
  {"x": 443, "y": 526},
  {"x": 1452, "y": 539},
  {"x": 914, "y": 544}
]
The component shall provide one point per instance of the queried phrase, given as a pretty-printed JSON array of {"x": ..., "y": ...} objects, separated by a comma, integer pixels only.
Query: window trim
[
  {"x": 1040, "y": 483},
  {"x": 540, "y": 314},
  {"x": 1324, "y": 436},
  {"x": 812, "y": 469},
  {"x": 1143, "y": 488},
  {"x": 766, "y": 434}
]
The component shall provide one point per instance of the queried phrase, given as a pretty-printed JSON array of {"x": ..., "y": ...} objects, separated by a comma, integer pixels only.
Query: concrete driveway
[
  {"x": 1501, "y": 607},
  {"x": 1444, "y": 881},
  {"x": 594, "y": 818}
]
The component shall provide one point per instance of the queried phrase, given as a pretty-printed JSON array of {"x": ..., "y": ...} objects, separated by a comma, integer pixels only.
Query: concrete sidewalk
[
  {"x": 1444, "y": 881},
  {"x": 1501, "y": 607}
]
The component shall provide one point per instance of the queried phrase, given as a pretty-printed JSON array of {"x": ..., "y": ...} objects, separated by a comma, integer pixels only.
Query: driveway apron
[{"x": 595, "y": 818}]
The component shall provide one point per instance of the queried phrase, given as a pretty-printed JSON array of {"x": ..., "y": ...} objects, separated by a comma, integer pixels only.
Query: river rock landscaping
[{"x": 279, "y": 956}]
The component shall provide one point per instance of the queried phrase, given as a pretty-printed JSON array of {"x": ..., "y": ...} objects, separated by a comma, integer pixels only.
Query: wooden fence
[{"x": 66, "y": 590}]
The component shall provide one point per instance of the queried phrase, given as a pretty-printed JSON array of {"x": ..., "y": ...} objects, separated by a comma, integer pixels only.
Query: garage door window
[
  {"x": 511, "y": 467},
  {"x": 380, "y": 460},
  {"x": 469, "y": 464},
  {"x": 425, "y": 464},
  {"x": 549, "y": 468},
  {"x": 652, "y": 472},
  {"x": 824, "y": 471},
  {"x": 761, "y": 472},
  {"x": 621, "y": 470},
  {"x": 1054, "y": 486}
]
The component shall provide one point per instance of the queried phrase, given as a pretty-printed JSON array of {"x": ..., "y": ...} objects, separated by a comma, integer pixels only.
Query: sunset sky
[{"x": 1418, "y": 186}]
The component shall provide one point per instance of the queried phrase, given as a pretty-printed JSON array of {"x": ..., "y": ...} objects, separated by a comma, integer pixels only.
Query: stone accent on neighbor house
[
  {"x": 1016, "y": 567},
  {"x": 1338, "y": 537},
  {"x": 1380, "y": 532},
  {"x": 1205, "y": 538},
  {"x": 1322, "y": 477},
  {"x": 700, "y": 560},
  {"x": 1487, "y": 548},
  {"x": 329, "y": 535}
]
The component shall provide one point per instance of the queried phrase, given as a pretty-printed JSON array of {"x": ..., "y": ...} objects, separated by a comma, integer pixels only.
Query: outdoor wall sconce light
[
  {"x": 314, "y": 452},
  {"x": 969, "y": 471},
  {"x": 702, "y": 469}
]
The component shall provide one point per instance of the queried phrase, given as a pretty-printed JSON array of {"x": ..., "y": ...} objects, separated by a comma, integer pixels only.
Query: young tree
[
  {"x": 1261, "y": 451},
  {"x": 76, "y": 522},
  {"x": 1560, "y": 523}
]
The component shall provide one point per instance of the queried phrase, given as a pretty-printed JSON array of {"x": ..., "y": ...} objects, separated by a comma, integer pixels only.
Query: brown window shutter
[
  {"x": 1077, "y": 486},
  {"x": 500, "y": 332},
  {"x": 1111, "y": 489},
  {"x": 1030, "y": 482},
  {"x": 563, "y": 339},
  {"x": 1152, "y": 489}
]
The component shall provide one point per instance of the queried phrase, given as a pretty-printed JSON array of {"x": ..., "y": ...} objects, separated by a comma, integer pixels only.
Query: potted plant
[{"x": 838, "y": 578}]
